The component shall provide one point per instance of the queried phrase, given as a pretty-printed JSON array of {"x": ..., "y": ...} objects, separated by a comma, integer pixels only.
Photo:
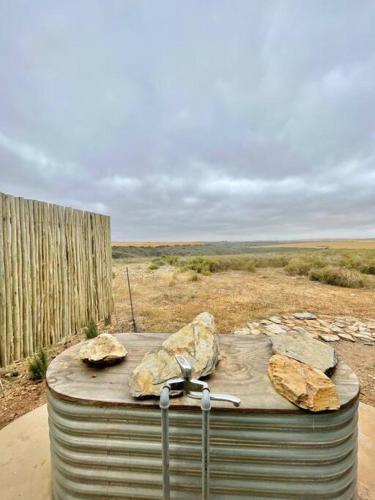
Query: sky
[{"x": 195, "y": 120}]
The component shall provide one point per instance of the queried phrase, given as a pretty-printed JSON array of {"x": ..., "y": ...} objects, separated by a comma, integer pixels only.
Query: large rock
[
  {"x": 305, "y": 315},
  {"x": 302, "y": 385},
  {"x": 196, "y": 341},
  {"x": 302, "y": 347},
  {"x": 103, "y": 350}
]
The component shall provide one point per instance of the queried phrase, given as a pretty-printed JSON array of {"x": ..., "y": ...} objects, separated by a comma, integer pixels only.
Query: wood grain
[{"x": 241, "y": 372}]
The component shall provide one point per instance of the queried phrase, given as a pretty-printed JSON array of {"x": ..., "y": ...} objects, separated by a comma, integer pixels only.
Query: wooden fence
[{"x": 55, "y": 274}]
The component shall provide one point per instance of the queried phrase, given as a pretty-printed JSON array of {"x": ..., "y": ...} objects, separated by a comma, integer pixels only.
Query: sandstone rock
[
  {"x": 276, "y": 319},
  {"x": 103, "y": 350},
  {"x": 361, "y": 336},
  {"x": 242, "y": 331},
  {"x": 304, "y": 315},
  {"x": 329, "y": 337},
  {"x": 275, "y": 329},
  {"x": 336, "y": 329},
  {"x": 196, "y": 341},
  {"x": 302, "y": 385},
  {"x": 347, "y": 336},
  {"x": 302, "y": 347}
]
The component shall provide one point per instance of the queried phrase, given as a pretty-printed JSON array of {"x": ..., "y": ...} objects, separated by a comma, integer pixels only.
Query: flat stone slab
[
  {"x": 305, "y": 315},
  {"x": 302, "y": 347}
]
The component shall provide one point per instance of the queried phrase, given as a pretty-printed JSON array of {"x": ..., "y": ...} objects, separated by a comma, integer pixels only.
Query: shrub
[
  {"x": 91, "y": 330},
  {"x": 300, "y": 266},
  {"x": 38, "y": 365},
  {"x": 272, "y": 260},
  {"x": 172, "y": 260},
  {"x": 207, "y": 265},
  {"x": 153, "y": 266},
  {"x": 369, "y": 267},
  {"x": 338, "y": 276},
  {"x": 157, "y": 262}
]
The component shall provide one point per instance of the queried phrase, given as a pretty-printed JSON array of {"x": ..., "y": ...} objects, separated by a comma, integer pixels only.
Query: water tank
[{"x": 107, "y": 445}]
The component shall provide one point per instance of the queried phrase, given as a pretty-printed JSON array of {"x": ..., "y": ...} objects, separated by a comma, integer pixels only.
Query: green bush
[
  {"x": 338, "y": 276},
  {"x": 91, "y": 330},
  {"x": 157, "y": 262},
  {"x": 301, "y": 266},
  {"x": 208, "y": 265},
  {"x": 38, "y": 365},
  {"x": 272, "y": 260}
]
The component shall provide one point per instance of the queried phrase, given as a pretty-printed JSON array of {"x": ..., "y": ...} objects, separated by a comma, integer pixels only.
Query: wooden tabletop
[{"x": 241, "y": 372}]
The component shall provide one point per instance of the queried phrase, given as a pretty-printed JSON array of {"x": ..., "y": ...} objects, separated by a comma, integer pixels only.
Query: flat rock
[
  {"x": 276, "y": 319},
  {"x": 305, "y": 315},
  {"x": 302, "y": 347},
  {"x": 329, "y": 337},
  {"x": 302, "y": 385},
  {"x": 103, "y": 350},
  {"x": 196, "y": 341},
  {"x": 346, "y": 336},
  {"x": 242, "y": 331},
  {"x": 275, "y": 329},
  {"x": 361, "y": 336}
]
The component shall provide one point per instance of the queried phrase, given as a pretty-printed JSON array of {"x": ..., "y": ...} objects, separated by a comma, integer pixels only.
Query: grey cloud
[{"x": 191, "y": 120}]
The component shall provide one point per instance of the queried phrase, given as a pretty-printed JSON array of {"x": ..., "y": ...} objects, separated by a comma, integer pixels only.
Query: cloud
[{"x": 244, "y": 120}]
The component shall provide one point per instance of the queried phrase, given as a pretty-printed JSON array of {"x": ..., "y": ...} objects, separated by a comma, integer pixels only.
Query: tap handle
[{"x": 185, "y": 367}]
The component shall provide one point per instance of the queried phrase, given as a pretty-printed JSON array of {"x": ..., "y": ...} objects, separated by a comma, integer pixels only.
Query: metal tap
[{"x": 195, "y": 389}]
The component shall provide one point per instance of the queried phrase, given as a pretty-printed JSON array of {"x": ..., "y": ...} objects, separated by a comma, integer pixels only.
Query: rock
[
  {"x": 255, "y": 331},
  {"x": 347, "y": 336},
  {"x": 242, "y": 331},
  {"x": 302, "y": 385},
  {"x": 276, "y": 319},
  {"x": 361, "y": 336},
  {"x": 103, "y": 350},
  {"x": 275, "y": 329},
  {"x": 302, "y": 347},
  {"x": 329, "y": 337},
  {"x": 299, "y": 329},
  {"x": 336, "y": 329},
  {"x": 305, "y": 315},
  {"x": 196, "y": 341}
]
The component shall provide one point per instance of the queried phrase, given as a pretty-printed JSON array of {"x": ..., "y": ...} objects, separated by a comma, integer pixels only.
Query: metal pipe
[
  {"x": 164, "y": 406},
  {"x": 206, "y": 407}
]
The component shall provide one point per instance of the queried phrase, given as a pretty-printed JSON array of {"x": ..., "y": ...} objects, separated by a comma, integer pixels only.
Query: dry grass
[
  {"x": 154, "y": 244},
  {"x": 164, "y": 303},
  {"x": 334, "y": 244}
]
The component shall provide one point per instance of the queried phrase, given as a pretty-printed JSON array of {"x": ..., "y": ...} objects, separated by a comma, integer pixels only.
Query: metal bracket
[{"x": 195, "y": 389}]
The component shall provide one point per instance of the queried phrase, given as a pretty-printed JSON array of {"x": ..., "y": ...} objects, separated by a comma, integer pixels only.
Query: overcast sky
[{"x": 198, "y": 120}]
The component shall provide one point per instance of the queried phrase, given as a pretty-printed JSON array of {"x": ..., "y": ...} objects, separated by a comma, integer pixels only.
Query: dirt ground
[{"x": 164, "y": 300}]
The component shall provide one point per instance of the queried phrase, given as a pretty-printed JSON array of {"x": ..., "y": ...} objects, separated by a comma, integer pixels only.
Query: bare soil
[{"x": 164, "y": 300}]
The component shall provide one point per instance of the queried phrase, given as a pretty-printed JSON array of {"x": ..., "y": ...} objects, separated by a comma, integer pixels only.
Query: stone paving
[{"x": 341, "y": 328}]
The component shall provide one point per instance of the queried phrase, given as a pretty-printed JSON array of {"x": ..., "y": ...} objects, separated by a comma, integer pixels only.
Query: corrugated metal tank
[{"x": 106, "y": 445}]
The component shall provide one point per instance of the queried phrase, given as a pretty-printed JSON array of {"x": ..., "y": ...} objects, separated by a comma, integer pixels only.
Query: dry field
[
  {"x": 154, "y": 244},
  {"x": 333, "y": 244},
  {"x": 165, "y": 299}
]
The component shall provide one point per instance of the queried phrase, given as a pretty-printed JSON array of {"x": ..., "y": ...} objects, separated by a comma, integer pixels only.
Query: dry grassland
[
  {"x": 334, "y": 244},
  {"x": 165, "y": 299},
  {"x": 154, "y": 244}
]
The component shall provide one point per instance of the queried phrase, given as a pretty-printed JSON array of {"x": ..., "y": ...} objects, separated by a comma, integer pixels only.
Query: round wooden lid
[{"x": 242, "y": 372}]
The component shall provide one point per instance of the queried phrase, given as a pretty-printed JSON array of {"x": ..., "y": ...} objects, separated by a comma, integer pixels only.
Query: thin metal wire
[{"x": 131, "y": 302}]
